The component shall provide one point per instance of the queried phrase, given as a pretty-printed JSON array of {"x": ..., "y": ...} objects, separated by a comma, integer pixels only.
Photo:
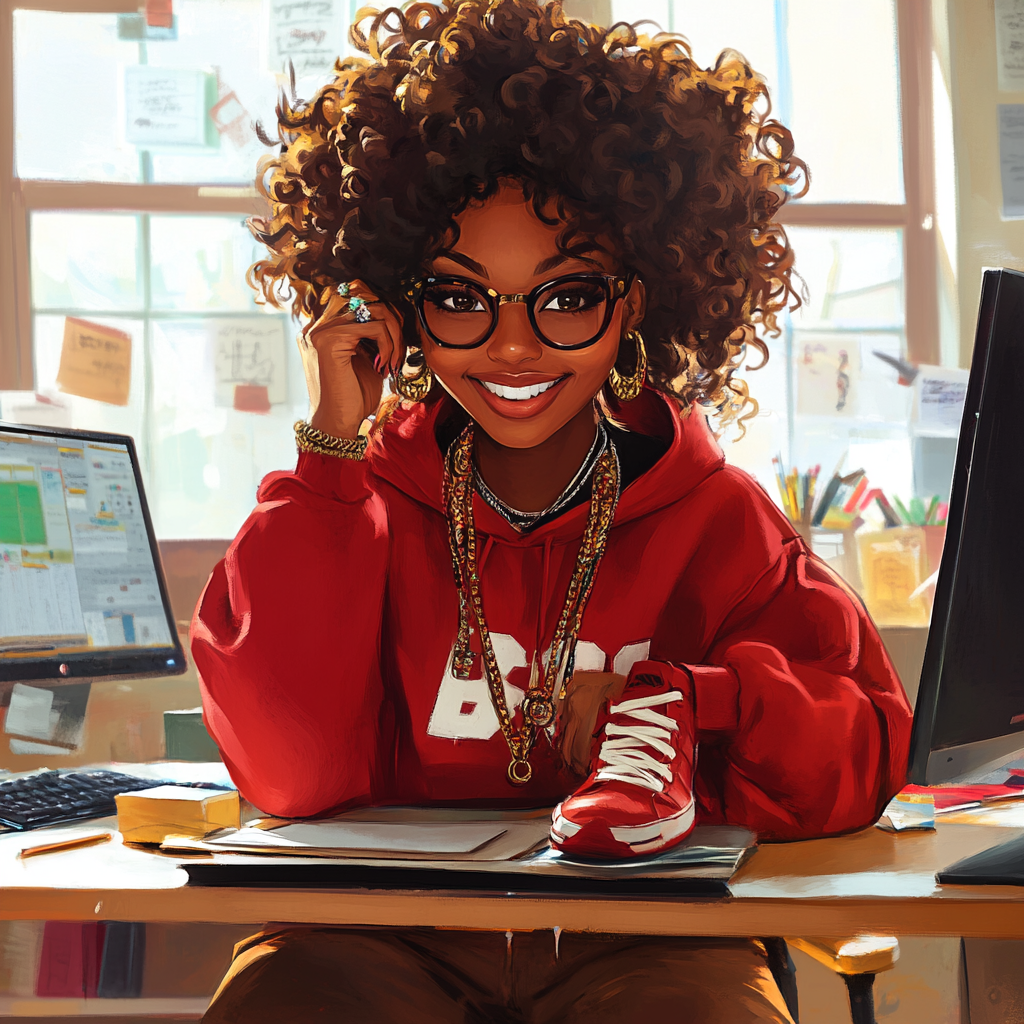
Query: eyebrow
[
  {"x": 467, "y": 262},
  {"x": 542, "y": 268}
]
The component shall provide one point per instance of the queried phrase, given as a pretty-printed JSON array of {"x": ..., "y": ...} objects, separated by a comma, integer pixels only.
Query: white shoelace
[{"x": 623, "y": 759}]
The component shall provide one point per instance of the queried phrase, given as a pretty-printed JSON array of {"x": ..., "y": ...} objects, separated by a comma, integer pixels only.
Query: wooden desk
[{"x": 871, "y": 882}]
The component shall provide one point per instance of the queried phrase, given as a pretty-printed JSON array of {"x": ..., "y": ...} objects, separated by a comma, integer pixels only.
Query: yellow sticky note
[{"x": 95, "y": 362}]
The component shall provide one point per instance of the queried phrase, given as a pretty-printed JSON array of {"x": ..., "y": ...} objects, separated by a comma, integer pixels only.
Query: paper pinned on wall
[
  {"x": 309, "y": 33},
  {"x": 939, "y": 395},
  {"x": 1010, "y": 44},
  {"x": 1011, "y": 158},
  {"x": 95, "y": 362},
  {"x": 54, "y": 716},
  {"x": 165, "y": 106},
  {"x": 249, "y": 351},
  {"x": 828, "y": 375}
]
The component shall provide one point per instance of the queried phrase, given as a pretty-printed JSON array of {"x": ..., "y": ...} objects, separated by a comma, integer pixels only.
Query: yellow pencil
[{"x": 92, "y": 839}]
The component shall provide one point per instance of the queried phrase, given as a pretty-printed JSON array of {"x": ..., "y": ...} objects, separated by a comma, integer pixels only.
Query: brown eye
[
  {"x": 463, "y": 303},
  {"x": 572, "y": 298},
  {"x": 449, "y": 299}
]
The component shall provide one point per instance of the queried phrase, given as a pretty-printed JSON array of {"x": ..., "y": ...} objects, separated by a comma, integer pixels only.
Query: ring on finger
[{"x": 360, "y": 309}]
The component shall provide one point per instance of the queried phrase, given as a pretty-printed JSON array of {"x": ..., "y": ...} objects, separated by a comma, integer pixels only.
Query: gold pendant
[
  {"x": 519, "y": 772},
  {"x": 539, "y": 711}
]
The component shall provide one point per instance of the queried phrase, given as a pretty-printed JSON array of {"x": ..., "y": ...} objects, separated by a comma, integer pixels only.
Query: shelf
[{"x": 173, "y": 1007}]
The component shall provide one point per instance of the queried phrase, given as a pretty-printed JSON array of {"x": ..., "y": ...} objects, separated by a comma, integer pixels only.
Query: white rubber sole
[{"x": 647, "y": 837}]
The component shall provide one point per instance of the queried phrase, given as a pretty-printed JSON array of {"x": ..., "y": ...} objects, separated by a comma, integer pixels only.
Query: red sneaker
[{"x": 639, "y": 798}]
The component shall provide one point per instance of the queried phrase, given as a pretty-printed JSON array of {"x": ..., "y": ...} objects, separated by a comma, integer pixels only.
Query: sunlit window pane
[
  {"x": 853, "y": 277},
  {"x": 209, "y": 456},
  {"x": 85, "y": 413},
  {"x": 845, "y": 97},
  {"x": 747, "y": 26},
  {"x": 67, "y": 73},
  {"x": 199, "y": 263},
  {"x": 85, "y": 261},
  {"x": 223, "y": 36}
]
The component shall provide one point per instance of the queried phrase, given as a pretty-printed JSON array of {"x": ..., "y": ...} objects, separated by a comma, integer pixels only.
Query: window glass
[
  {"x": 747, "y": 26},
  {"x": 74, "y": 70},
  {"x": 223, "y": 38},
  {"x": 846, "y": 395},
  {"x": 826, "y": 389},
  {"x": 85, "y": 261},
  {"x": 209, "y": 456},
  {"x": 845, "y": 99},
  {"x": 204, "y": 445},
  {"x": 200, "y": 263},
  {"x": 67, "y": 73},
  {"x": 86, "y": 414}
]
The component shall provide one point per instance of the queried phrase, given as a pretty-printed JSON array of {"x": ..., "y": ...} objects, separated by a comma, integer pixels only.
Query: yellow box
[
  {"x": 893, "y": 565},
  {"x": 150, "y": 815}
]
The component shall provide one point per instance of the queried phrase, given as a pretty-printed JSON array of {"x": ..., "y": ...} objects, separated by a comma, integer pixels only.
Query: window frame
[{"x": 19, "y": 198}]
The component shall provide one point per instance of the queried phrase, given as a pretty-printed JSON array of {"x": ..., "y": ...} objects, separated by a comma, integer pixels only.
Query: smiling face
[{"x": 519, "y": 390}]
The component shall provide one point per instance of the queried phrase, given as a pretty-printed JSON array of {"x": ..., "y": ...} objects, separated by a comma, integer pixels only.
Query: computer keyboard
[{"x": 53, "y": 797}]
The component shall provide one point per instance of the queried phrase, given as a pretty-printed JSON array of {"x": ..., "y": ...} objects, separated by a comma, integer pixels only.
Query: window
[{"x": 108, "y": 220}]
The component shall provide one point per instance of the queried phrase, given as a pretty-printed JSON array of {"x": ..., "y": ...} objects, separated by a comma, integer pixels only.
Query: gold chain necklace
[{"x": 539, "y": 703}]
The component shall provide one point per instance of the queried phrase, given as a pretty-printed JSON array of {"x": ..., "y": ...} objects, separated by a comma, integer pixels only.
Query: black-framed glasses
[{"x": 569, "y": 312}]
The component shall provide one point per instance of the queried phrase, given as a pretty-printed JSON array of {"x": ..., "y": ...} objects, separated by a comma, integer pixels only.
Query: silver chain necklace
[{"x": 524, "y": 520}]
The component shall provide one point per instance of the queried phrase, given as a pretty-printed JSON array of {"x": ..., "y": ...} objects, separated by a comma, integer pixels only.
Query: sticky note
[
  {"x": 95, "y": 362},
  {"x": 159, "y": 13},
  {"x": 252, "y": 398}
]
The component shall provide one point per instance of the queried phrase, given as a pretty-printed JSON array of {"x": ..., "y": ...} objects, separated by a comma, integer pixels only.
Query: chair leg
[
  {"x": 862, "y": 997},
  {"x": 780, "y": 963}
]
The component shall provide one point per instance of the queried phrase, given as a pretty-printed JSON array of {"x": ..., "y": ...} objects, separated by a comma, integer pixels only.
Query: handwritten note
[
  {"x": 165, "y": 106},
  {"x": 309, "y": 33},
  {"x": 1010, "y": 44},
  {"x": 249, "y": 351},
  {"x": 939, "y": 401},
  {"x": 95, "y": 362}
]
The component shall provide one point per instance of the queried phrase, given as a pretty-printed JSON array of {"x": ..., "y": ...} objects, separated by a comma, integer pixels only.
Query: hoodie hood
[{"x": 405, "y": 454}]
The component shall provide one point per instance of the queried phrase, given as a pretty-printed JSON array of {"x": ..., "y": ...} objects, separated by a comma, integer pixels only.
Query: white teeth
[{"x": 518, "y": 394}]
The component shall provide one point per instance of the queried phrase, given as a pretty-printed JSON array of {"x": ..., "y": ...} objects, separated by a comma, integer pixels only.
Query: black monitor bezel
[
  {"x": 928, "y": 766},
  {"x": 136, "y": 662}
]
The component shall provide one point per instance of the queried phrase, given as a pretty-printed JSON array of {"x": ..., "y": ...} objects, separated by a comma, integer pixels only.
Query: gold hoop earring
[
  {"x": 626, "y": 389},
  {"x": 413, "y": 389}
]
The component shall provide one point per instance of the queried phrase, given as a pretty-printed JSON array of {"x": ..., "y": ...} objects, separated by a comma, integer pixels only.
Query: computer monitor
[
  {"x": 82, "y": 594},
  {"x": 970, "y": 705}
]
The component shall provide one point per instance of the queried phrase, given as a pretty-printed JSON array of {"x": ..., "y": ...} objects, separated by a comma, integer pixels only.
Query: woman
[{"x": 536, "y": 582}]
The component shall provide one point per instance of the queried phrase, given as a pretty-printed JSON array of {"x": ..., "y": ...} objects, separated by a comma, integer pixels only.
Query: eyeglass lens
[{"x": 567, "y": 312}]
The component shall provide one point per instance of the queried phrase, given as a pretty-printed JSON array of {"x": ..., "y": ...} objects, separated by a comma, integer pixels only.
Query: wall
[{"x": 985, "y": 240}]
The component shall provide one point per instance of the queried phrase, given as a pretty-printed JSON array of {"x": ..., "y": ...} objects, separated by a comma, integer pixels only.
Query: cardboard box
[{"x": 150, "y": 815}]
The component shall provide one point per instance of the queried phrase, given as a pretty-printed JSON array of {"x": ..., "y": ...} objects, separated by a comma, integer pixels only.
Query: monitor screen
[
  {"x": 81, "y": 591},
  {"x": 970, "y": 705}
]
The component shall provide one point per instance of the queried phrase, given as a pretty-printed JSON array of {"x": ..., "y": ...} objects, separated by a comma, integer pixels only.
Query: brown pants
[{"x": 427, "y": 976}]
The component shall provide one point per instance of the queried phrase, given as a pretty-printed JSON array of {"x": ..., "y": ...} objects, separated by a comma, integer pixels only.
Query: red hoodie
[{"x": 324, "y": 639}]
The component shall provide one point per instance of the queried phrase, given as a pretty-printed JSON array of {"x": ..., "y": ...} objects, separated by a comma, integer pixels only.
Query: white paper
[
  {"x": 30, "y": 712},
  {"x": 39, "y": 410},
  {"x": 828, "y": 375},
  {"x": 309, "y": 33},
  {"x": 1011, "y": 158},
  {"x": 1010, "y": 44},
  {"x": 371, "y": 836},
  {"x": 164, "y": 106},
  {"x": 939, "y": 394},
  {"x": 248, "y": 350}
]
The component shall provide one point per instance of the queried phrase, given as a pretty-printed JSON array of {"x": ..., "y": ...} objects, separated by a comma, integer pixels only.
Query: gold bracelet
[{"x": 309, "y": 439}]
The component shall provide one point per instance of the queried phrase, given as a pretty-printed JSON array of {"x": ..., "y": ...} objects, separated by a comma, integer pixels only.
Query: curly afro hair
[{"x": 623, "y": 135}]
